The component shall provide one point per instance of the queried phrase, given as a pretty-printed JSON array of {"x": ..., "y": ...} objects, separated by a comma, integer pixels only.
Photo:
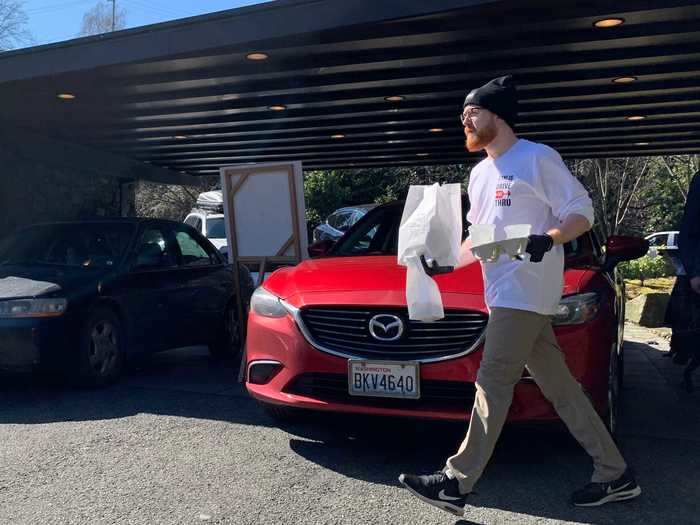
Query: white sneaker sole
[
  {"x": 444, "y": 505},
  {"x": 623, "y": 495}
]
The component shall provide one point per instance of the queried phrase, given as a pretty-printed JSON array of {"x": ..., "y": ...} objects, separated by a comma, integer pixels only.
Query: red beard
[{"x": 479, "y": 139}]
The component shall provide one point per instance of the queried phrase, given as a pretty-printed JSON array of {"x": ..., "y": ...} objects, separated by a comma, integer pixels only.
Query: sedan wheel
[
  {"x": 101, "y": 353},
  {"x": 228, "y": 343}
]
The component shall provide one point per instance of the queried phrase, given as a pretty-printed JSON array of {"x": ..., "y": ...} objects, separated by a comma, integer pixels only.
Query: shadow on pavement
[{"x": 183, "y": 382}]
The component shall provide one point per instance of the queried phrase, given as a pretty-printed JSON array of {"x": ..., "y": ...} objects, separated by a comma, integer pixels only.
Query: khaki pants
[{"x": 516, "y": 339}]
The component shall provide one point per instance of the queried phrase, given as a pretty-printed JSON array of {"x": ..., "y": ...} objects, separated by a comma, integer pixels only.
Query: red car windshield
[{"x": 377, "y": 233}]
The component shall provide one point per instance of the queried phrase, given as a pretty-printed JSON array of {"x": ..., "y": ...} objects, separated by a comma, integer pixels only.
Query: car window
[
  {"x": 195, "y": 222},
  {"x": 333, "y": 219},
  {"x": 193, "y": 253},
  {"x": 88, "y": 245},
  {"x": 216, "y": 228},
  {"x": 344, "y": 221},
  {"x": 153, "y": 250},
  {"x": 657, "y": 240},
  {"x": 376, "y": 233}
]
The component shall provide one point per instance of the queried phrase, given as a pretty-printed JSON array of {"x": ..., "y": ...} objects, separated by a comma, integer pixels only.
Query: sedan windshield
[{"x": 82, "y": 245}]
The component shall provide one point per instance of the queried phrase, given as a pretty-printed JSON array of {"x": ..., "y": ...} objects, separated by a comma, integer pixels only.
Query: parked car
[
  {"x": 663, "y": 240},
  {"x": 333, "y": 333},
  {"x": 83, "y": 297},
  {"x": 340, "y": 221}
]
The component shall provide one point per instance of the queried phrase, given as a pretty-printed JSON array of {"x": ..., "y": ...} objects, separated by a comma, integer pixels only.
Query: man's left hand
[
  {"x": 695, "y": 284},
  {"x": 538, "y": 245}
]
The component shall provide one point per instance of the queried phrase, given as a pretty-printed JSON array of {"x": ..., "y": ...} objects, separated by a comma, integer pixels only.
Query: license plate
[{"x": 384, "y": 379}]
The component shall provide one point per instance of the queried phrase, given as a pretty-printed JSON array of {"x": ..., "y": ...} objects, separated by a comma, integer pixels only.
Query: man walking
[{"x": 522, "y": 182}]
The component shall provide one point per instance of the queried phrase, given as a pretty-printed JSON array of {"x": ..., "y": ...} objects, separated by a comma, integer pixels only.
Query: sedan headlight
[
  {"x": 576, "y": 309},
  {"x": 267, "y": 304},
  {"x": 21, "y": 308}
]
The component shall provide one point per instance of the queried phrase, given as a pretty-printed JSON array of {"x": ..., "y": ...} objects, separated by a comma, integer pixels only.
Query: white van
[{"x": 207, "y": 217}]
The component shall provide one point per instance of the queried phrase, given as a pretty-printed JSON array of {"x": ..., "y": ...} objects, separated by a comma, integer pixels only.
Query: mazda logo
[{"x": 385, "y": 327}]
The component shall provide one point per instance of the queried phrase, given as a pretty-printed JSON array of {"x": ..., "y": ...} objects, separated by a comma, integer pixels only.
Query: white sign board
[{"x": 265, "y": 211}]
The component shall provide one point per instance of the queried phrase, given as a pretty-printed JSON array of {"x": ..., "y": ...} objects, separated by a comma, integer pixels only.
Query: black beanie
[{"x": 498, "y": 96}]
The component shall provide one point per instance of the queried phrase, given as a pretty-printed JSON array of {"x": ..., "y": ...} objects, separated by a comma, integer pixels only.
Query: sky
[{"x": 56, "y": 20}]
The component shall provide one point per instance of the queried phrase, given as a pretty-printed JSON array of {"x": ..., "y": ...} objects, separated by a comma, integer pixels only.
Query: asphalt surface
[{"x": 179, "y": 441}]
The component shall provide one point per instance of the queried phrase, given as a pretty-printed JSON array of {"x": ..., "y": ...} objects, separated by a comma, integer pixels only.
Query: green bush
[{"x": 646, "y": 268}]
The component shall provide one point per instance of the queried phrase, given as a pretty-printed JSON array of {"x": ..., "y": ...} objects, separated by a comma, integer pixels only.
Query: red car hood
[
  {"x": 379, "y": 278},
  {"x": 366, "y": 274}
]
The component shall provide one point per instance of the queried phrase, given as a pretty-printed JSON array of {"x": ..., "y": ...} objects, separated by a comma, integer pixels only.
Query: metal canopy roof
[{"x": 183, "y": 95}]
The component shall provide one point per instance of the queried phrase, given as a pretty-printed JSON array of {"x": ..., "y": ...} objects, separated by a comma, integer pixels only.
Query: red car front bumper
[{"x": 312, "y": 379}]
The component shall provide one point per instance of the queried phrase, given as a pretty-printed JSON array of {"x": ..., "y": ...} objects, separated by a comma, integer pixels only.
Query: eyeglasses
[{"x": 469, "y": 114}]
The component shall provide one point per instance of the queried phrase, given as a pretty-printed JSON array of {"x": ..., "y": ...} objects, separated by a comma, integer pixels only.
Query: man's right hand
[
  {"x": 434, "y": 269},
  {"x": 695, "y": 284}
]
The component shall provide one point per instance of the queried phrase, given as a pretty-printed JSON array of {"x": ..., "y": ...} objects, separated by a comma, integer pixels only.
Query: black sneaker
[
  {"x": 596, "y": 494},
  {"x": 436, "y": 489}
]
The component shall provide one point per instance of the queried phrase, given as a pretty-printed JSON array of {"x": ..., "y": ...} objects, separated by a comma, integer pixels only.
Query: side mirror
[
  {"x": 621, "y": 248},
  {"x": 321, "y": 248}
]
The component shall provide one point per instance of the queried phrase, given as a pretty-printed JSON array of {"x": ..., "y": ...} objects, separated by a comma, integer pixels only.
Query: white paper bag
[
  {"x": 422, "y": 293},
  {"x": 431, "y": 225}
]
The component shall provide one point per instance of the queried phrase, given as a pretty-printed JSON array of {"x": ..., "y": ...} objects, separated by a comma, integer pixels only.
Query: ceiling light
[
  {"x": 609, "y": 22},
  {"x": 257, "y": 56},
  {"x": 66, "y": 96},
  {"x": 180, "y": 137},
  {"x": 641, "y": 143},
  {"x": 394, "y": 98},
  {"x": 278, "y": 107},
  {"x": 624, "y": 80},
  {"x": 636, "y": 117},
  {"x": 436, "y": 130},
  {"x": 422, "y": 154},
  {"x": 338, "y": 136}
]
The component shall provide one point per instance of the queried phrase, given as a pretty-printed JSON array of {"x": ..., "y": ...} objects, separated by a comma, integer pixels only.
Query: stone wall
[{"x": 33, "y": 189}]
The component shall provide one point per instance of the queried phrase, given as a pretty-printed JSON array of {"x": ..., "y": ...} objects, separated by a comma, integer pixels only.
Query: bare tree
[
  {"x": 167, "y": 201},
  {"x": 13, "y": 21},
  {"x": 615, "y": 185},
  {"x": 102, "y": 19},
  {"x": 681, "y": 169}
]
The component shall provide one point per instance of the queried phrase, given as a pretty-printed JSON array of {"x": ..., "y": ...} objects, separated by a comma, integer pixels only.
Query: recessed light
[
  {"x": 422, "y": 154},
  {"x": 624, "y": 80},
  {"x": 636, "y": 117},
  {"x": 609, "y": 22},
  {"x": 66, "y": 96},
  {"x": 394, "y": 98},
  {"x": 257, "y": 56},
  {"x": 278, "y": 107},
  {"x": 436, "y": 130},
  {"x": 180, "y": 137},
  {"x": 338, "y": 136}
]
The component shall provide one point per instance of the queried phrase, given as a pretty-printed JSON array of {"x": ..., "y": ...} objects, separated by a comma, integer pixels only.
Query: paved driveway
[{"x": 178, "y": 441}]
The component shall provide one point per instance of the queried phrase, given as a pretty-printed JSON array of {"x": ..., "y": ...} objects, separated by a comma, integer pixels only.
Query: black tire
[
  {"x": 612, "y": 414},
  {"x": 621, "y": 370},
  {"x": 102, "y": 342},
  {"x": 228, "y": 342}
]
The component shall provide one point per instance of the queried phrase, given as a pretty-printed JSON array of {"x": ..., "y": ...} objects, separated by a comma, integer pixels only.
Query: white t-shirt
[{"x": 528, "y": 184}]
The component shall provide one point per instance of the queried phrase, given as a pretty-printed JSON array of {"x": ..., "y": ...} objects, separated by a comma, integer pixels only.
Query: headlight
[
  {"x": 266, "y": 304},
  {"x": 20, "y": 308},
  {"x": 576, "y": 309}
]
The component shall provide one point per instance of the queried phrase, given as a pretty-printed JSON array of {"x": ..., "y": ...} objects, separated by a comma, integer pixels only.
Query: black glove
[
  {"x": 435, "y": 269},
  {"x": 538, "y": 245}
]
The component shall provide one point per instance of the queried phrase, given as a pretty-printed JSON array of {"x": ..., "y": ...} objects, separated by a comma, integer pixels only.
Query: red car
[{"x": 333, "y": 332}]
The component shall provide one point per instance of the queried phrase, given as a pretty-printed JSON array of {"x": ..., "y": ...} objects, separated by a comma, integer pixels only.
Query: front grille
[
  {"x": 456, "y": 395},
  {"x": 345, "y": 330}
]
